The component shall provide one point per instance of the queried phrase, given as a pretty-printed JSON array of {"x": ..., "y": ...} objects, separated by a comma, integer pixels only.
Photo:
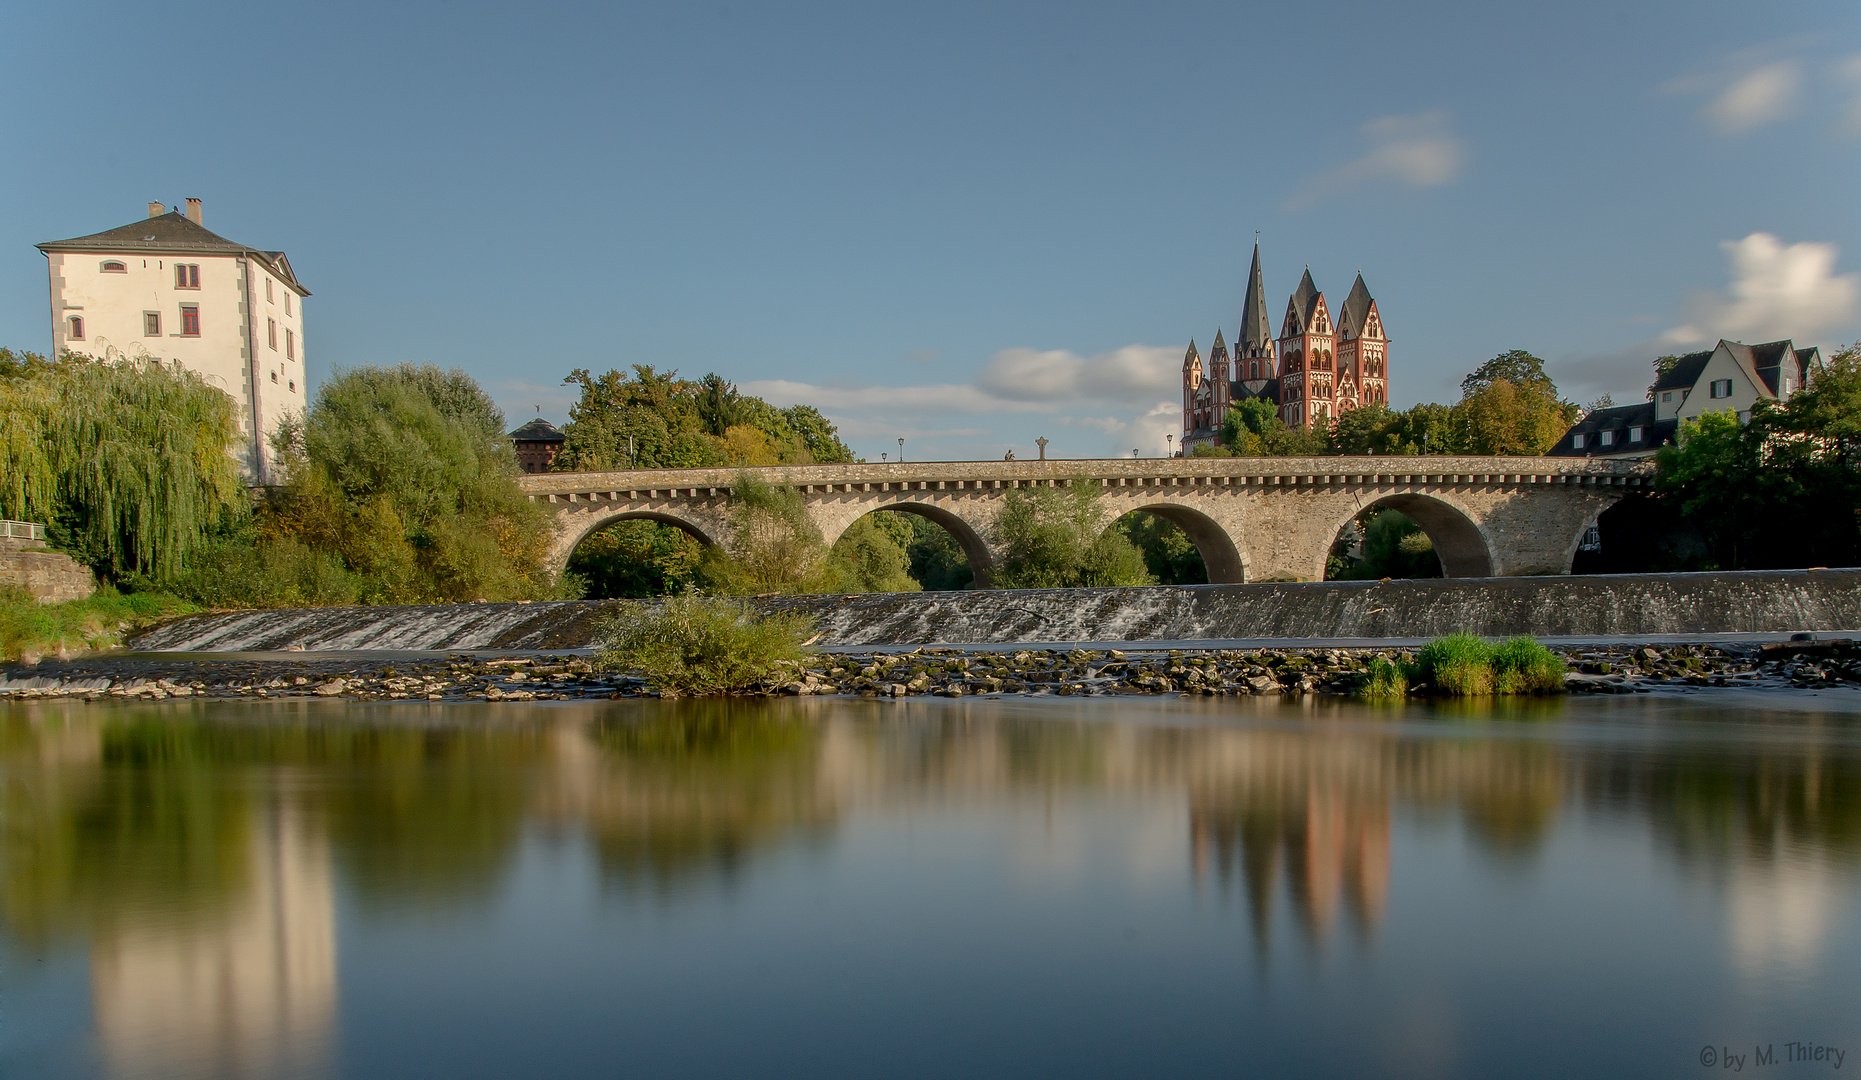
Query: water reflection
[{"x": 198, "y": 851}]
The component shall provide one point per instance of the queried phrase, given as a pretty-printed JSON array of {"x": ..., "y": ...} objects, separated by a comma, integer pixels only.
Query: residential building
[
  {"x": 1731, "y": 377},
  {"x": 1315, "y": 370},
  {"x": 167, "y": 290}
]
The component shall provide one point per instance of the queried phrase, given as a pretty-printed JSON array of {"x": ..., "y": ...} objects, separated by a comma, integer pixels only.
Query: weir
[{"x": 1628, "y": 605}]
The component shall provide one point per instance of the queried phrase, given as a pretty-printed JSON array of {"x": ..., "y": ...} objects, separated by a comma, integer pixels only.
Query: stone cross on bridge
[{"x": 1252, "y": 519}]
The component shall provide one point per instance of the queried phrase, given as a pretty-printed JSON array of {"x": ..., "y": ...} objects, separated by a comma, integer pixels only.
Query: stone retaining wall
[{"x": 50, "y": 576}]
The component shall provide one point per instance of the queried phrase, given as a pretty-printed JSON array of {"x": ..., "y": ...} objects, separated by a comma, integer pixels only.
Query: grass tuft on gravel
[{"x": 701, "y": 645}]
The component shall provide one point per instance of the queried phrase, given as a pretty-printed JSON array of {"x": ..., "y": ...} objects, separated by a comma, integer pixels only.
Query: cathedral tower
[
  {"x": 1308, "y": 361},
  {"x": 1362, "y": 351}
]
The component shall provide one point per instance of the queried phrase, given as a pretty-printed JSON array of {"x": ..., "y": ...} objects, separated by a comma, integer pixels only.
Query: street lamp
[
  {"x": 901, "y": 449},
  {"x": 1171, "y": 445},
  {"x": 1133, "y": 451}
]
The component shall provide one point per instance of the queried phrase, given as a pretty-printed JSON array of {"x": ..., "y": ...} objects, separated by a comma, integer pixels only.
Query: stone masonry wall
[{"x": 50, "y": 576}]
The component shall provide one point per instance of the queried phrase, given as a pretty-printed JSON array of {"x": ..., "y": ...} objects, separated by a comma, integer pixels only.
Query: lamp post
[
  {"x": 901, "y": 449},
  {"x": 1172, "y": 446},
  {"x": 1133, "y": 451}
]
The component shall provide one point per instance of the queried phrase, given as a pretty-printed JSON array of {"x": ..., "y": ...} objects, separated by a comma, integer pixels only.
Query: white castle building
[{"x": 166, "y": 289}]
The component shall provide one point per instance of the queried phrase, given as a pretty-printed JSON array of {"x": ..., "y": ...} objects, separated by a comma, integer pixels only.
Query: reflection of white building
[
  {"x": 254, "y": 995},
  {"x": 168, "y": 289}
]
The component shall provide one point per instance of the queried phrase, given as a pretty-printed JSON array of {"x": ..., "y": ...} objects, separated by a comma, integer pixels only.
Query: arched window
[
  {"x": 113, "y": 267},
  {"x": 77, "y": 328}
]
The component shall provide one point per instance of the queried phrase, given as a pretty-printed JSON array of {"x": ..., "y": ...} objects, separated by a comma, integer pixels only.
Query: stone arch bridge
[{"x": 1252, "y": 519}]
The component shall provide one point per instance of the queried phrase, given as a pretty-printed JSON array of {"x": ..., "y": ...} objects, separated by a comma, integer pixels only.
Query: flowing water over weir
[{"x": 1651, "y": 605}]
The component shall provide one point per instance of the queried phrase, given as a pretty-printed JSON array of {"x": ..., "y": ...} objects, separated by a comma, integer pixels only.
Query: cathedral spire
[{"x": 1255, "y": 336}]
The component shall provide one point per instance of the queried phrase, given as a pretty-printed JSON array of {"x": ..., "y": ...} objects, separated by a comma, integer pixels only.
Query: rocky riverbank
[{"x": 945, "y": 672}]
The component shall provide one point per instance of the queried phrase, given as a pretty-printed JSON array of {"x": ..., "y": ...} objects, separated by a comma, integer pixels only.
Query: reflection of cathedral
[
  {"x": 1316, "y": 370},
  {"x": 250, "y": 994},
  {"x": 1331, "y": 845}
]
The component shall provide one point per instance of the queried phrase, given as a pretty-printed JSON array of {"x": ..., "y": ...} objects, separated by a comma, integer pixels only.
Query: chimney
[
  {"x": 155, "y": 209},
  {"x": 193, "y": 211}
]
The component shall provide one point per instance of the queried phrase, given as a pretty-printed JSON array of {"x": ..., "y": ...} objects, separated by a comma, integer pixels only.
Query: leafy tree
[
  {"x": 1392, "y": 546},
  {"x": 1056, "y": 537},
  {"x": 129, "y": 463},
  {"x": 656, "y": 420},
  {"x": 637, "y": 558},
  {"x": 872, "y": 556},
  {"x": 776, "y": 547},
  {"x": 937, "y": 560},
  {"x": 406, "y": 475},
  {"x": 1253, "y": 429},
  {"x": 1515, "y": 366},
  {"x": 1794, "y": 462},
  {"x": 1169, "y": 554}
]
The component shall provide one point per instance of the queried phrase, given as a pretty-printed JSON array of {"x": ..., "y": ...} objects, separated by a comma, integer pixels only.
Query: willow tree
[{"x": 131, "y": 462}]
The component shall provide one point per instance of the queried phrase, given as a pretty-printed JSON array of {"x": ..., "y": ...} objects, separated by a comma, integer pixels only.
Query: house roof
[
  {"x": 1356, "y": 310},
  {"x": 1684, "y": 373},
  {"x": 1256, "y": 330},
  {"x": 173, "y": 233},
  {"x": 1618, "y": 419},
  {"x": 538, "y": 430}
]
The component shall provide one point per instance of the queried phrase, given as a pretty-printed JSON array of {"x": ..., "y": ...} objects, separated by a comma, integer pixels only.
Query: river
[{"x": 1648, "y": 885}]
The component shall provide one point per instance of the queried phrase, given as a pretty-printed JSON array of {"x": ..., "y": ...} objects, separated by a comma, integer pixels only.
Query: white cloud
[
  {"x": 1419, "y": 150},
  {"x": 1105, "y": 395},
  {"x": 1756, "y": 97},
  {"x": 1777, "y": 291},
  {"x": 1031, "y": 375}
]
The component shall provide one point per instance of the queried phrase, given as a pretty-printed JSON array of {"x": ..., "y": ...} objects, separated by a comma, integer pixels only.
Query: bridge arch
[
  {"x": 1220, "y": 556},
  {"x": 569, "y": 543},
  {"x": 1460, "y": 543},
  {"x": 966, "y": 534}
]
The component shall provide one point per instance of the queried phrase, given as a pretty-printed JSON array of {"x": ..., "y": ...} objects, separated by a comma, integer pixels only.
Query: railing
[{"x": 21, "y": 530}]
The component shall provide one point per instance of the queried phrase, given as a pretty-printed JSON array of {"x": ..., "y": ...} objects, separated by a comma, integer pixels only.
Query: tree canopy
[{"x": 656, "y": 420}]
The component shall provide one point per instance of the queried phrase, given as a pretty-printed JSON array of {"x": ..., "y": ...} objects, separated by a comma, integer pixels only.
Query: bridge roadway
[{"x": 1252, "y": 519}]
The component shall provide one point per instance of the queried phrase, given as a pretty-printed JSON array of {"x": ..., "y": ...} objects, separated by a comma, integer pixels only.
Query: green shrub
[
  {"x": 97, "y": 622},
  {"x": 694, "y": 644}
]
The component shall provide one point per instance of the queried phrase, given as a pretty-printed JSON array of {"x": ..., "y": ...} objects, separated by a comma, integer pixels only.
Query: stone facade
[
  {"x": 1318, "y": 368},
  {"x": 50, "y": 576},
  {"x": 1252, "y": 519}
]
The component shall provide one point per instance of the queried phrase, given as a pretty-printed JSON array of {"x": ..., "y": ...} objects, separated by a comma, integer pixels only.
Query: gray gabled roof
[
  {"x": 172, "y": 233},
  {"x": 1620, "y": 419},
  {"x": 1256, "y": 332},
  {"x": 1683, "y": 374},
  {"x": 538, "y": 430},
  {"x": 1305, "y": 300},
  {"x": 1356, "y": 310}
]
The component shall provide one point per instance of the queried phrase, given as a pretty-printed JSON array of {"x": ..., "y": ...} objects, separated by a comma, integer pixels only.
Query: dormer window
[
  {"x": 1576, "y": 441},
  {"x": 1608, "y": 438},
  {"x": 114, "y": 267},
  {"x": 1634, "y": 434}
]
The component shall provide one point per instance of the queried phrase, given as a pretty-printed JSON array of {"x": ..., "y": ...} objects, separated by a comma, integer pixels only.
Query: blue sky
[{"x": 965, "y": 225}]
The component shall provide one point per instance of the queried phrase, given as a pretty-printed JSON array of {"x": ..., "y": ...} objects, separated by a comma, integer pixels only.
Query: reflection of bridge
[{"x": 1251, "y": 518}]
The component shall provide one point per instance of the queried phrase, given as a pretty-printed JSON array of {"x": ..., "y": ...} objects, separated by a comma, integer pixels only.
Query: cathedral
[{"x": 1316, "y": 369}]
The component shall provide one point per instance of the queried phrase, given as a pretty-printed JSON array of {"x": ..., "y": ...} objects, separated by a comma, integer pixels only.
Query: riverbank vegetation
[
  {"x": 29, "y": 629},
  {"x": 699, "y": 645}
]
